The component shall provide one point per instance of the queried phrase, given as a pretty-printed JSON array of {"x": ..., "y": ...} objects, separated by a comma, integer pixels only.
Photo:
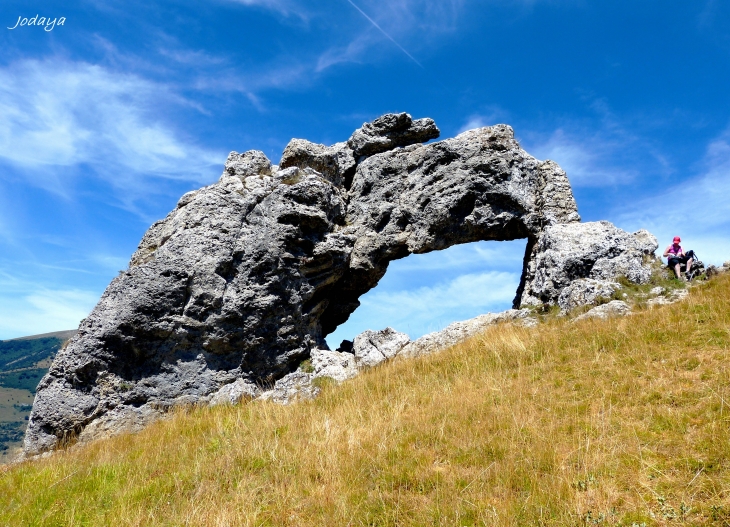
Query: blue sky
[{"x": 106, "y": 120}]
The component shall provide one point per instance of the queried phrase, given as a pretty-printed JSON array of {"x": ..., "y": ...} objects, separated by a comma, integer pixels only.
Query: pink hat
[{"x": 677, "y": 239}]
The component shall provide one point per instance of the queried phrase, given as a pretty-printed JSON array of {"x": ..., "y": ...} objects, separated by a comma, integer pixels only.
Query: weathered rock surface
[
  {"x": 373, "y": 347},
  {"x": 235, "y": 392},
  {"x": 336, "y": 365},
  {"x": 585, "y": 291},
  {"x": 292, "y": 387},
  {"x": 247, "y": 276},
  {"x": 596, "y": 250},
  {"x": 391, "y": 131}
]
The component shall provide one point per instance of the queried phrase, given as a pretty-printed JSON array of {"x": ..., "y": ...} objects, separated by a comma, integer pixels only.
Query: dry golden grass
[{"x": 620, "y": 422}]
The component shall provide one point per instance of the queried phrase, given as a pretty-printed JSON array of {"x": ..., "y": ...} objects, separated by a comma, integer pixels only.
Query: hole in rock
[{"x": 422, "y": 293}]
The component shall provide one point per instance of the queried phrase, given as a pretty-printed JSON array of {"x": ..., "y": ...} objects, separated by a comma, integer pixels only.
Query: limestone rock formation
[
  {"x": 390, "y": 131},
  {"x": 235, "y": 392},
  {"x": 598, "y": 250},
  {"x": 292, "y": 387},
  {"x": 247, "y": 276}
]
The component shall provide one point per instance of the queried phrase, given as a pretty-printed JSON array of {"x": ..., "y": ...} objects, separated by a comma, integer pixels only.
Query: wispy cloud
[
  {"x": 697, "y": 209},
  {"x": 349, "y": 53},
  {"x": 191, "y": 57},
  {"x": 284, "y": 7},
  {"x": 283, "y": 75},
  {"x": 486, "y": 118},
  {"x": 467, "y": 257},
  {"x": 403, "y": 23},
  {"x": 588, "y": 160},
  {"x": 40, "y": 310},
  {"x": 425, "y": 309},
  {"x": 57, "y": 113}
]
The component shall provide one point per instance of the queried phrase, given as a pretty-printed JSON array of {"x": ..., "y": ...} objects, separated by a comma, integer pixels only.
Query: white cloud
[
  {"x": 281, "y": 76},
  {"x": 43, "y": 311},
  {"x": 480, "y": 120},
  {"x": 698, "y": 209},
  {"x": 285, "y": 7},
  {"x": 384, "y": 32},
  {"x": 425, "y": 309},
  {"x": 586, "y": 158},
  {"x": 421, "y": 15},
  {"x": 56, "y": 113},
  {"x": 495, "y": 256},
  {"x": 189, "y": 57},
  {"x": 352, "y": 52}
]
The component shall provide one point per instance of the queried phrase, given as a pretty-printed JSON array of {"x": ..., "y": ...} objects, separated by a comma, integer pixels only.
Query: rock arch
[{"x": 249, "y": 274}]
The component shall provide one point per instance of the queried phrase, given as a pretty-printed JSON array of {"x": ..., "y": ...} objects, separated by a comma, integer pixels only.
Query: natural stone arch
[
  {"x": 249, "y": 274},
  {"x": 478, "y": 186},
  {"x": 425, "y": 292}
]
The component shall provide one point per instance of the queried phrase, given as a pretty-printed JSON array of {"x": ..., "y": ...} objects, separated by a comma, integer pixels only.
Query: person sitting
[{"x": 676, "y": 257}]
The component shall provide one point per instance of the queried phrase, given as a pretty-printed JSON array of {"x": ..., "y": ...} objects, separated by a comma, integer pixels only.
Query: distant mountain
[
  {"x": 23, "y": 362},
  {"x": 63, "y": 335}
]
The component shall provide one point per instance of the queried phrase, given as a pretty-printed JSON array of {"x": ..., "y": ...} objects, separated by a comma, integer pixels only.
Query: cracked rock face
[{"x": 246, "y": 276}]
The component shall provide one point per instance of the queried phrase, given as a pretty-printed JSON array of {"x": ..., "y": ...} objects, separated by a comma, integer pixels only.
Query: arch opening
[{"x": 422, "y": 293}]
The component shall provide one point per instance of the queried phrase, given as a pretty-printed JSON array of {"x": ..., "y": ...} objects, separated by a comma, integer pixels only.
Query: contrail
[{"x": 384, "y": 33}]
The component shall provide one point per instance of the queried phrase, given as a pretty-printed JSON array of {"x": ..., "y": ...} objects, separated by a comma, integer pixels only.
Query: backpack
[{"x": 698, "y": 268}]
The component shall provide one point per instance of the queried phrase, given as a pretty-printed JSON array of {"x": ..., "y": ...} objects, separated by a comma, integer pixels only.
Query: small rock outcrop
[
  {"x": 245, "y": 278},
  {"x": 585, "y": 291},
  {"x": 598, "y": 251},
  {"x": 458, "y": 331},
  {"x": 373, "y": 347},
  {"x": 664, "y": 298},
  {"x": 614, "y": 308}
]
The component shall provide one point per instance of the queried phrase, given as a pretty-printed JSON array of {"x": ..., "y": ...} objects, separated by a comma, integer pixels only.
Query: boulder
[
  {"x": 235, "y": 392},
  {"x": 336, "y": 365},
  {"x": 668, "y": 298},
  {"x": 584, "y": 291},
  {"x": 373, "y": 347},
  {"x": 564, "y": 253},
  {"x": 390, "y": 131},
  {"x": 292, "y": 387}
]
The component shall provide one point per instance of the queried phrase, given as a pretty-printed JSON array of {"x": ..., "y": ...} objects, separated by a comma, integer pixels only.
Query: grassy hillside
[
  {"x": 619, "y": 422},
  {"x": 23, "y": 362}
]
